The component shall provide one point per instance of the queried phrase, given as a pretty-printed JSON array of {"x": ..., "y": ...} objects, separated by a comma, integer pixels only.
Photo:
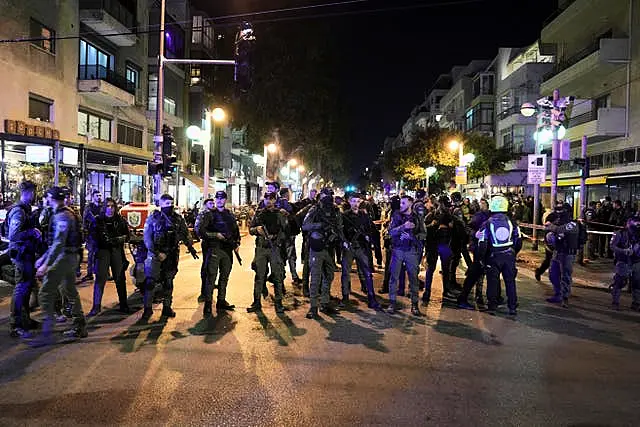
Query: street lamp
[{"x": 271, "y": 148}]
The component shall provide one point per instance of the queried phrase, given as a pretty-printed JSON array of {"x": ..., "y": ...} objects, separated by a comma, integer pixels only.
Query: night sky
[{"x": 392, "y": 57}]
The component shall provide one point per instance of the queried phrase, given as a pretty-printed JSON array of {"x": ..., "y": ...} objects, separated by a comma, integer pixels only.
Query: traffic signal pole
[
  {"x": 583, "y": 178},
  {"x": 157, "y": 138},
  {"x": 555, "y": 148}
]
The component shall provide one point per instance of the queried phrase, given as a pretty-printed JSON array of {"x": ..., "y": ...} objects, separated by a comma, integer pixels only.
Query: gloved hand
[
  {"x": 628, "y": 251},
  {"x": 194, "y": 253}
]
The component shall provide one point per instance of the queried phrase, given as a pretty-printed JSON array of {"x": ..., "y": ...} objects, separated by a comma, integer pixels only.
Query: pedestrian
[
  {"x": 358, "y": 229},
  {"x": 499, "y": 242},
  {"x": 626, "y": 249},
  {"x": 57, "y": 268},
  {"x": 405, "y": 248},
  {"x": 164, "y": 229},
  {"x": 91, "y": 211},
  {"x": 269, "y": 226},
  {"x": 562, "y": 235},
  {"x": 207, "y": 205},
  {"x": 218, "y": 227},
  {"x": 109, "y": 231},
  {"x": 24, "y": 239},
  {"x": 324, "y": 225},
  {"x": 439, "y": 224}
]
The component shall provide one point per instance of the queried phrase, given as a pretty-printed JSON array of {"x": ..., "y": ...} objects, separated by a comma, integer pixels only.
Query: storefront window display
[{"x": 132, "y": 188}]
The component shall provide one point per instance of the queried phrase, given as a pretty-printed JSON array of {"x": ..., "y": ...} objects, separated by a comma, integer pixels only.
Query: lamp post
[
  {"x": 268, "y": 148},
  {"x": 463, "y": 159},
  {"x": 428, "y": 172},
  {"x": 203, "y": 137}
]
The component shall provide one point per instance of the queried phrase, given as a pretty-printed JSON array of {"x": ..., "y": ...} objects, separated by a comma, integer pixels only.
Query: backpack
[
  {"x": 4, "y": 228},
  {"x": 582, "y": 234}
]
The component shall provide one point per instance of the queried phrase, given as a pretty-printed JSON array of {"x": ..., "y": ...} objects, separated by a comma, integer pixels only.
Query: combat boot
[
  {"x": 328, "y": 310},
  {"x": 168, "y": 312},
  {"x": 146, "y": 314},
  {"x": 255, "y": 307},
  {"x": 392, "y": 308},
  {"x": 207, "y": 310},
  {"x": 279, "y": 307},
  {"x": 373, "y": 303},
  {"x": 415, "y": 310},
  {"x": 19, "y": 333},
  {"x": 95, "y": 310},
  {"x": 46, "y": 337},
  {"x": 224, "y": 305},
  {"x": 344, "y": 302},
  {"x": 312, "y": 313},
  {"x": 79, "y": 330}
]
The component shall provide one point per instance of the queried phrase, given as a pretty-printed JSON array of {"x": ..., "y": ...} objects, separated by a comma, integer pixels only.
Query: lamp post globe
[
  {"x": 218, "y": 115},
  {"x": 527, "y": 109}
]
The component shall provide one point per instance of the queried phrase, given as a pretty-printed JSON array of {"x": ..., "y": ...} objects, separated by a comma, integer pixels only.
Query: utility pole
[
  {"x": 157, "y": 138},
  {"x": 555, "y": 148}
]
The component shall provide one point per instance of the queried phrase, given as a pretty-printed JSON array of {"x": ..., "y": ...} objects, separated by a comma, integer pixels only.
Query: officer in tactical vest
[
  {"x": 207, "y": 206},
  {"x": 590, "y": 216},
  {"x": 109, "y": 231},
  {"x": 293, "y": 229},
  {"x": 24, "y": 239},
  {"x": 358, "y": 229},
  {"x": 405, "y": 249},
  {"x": 303, "y": 208},
  {"x": 164, "y": 229},
  {"x": 91, "y": 211},
  {"x": 625, "y": 245},
  {"x": 324, "y": 225},
  {"x": 439, "y": 225},
  {"x": 268, "y": 225},
  {"x": 57, "y": 268},
  {"x": 562, "y": 235},
  {"x": 219, "y": 229},
  {"x": 476, "y": 269},
  {"x": 499, "y": 242}
]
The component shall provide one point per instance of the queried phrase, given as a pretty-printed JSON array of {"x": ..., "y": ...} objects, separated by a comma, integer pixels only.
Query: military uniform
[
  {"x": 62, "y": 260},
  {"x": 625, "y": 245},
  {"x": 109, "y": 235},
  {"x": 564, "y": 239},
  {"x": 358, "y": 229},
  {"x": 268, "y": 253},
  {"x": 324, "y": 225},
  {"x": 205, "y": 250},
  {"x": 499, "y": 241},
  {"x": 303, "y": 208},
  {"x": 438, "y": 244},
  {"x": 23, "y": 241},
  {"x": 476, "y": 269},
  {"x": 91, "y": 212},
  {"x": 219, "y": 256},
  {"x": 163, "y": 232}
]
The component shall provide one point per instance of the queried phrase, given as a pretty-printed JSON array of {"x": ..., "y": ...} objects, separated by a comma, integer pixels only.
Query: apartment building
[
  {"x": 81, "y": 81},
  {"x": 597, "y": 49},
  {"x": 455, "y": 103}
]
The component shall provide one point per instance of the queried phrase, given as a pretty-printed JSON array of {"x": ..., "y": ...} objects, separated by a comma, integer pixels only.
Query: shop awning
[{"x": 576, "y": 181}]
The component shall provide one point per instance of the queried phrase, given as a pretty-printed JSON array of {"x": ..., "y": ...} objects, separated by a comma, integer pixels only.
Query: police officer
[
  {"x": 57, "y": 268},
  {"x": 563, "y": 237},
  {"x": 439, "y": 225},
  {"x": 24, "y": 238},
  {"x": 394, "y": 205},
  {"x": 625, "y": 245},
  {"x": 268, "y": 225},
  {"x": 109, "y": 231},
  {"x": 499, "y": 242},
  {"x": 358, "y": 229},
  {"x": 164, "y": 229},
  {"x": 324, "y": 225},
  {"x": 405, "y": 248},
  {"x": 476, "y": 269},
  {"x": 293, "y": 229},
  {"x": 303, "y": 208},
  {"x": 207, "y": 206},
  {"x": 91, "y": 211},
  {"x": 219, "y": 229},
  {"x": 589, "y": 217}
]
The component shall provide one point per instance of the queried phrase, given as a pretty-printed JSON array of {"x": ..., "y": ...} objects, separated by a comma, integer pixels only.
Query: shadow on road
[
  {"x": 345, "y": 331},
  {"x": 294, "y": 330},
  {"x": 463, "y": 330},
  {"x": 128, "y": 338},
  {"x": 214, "y": 328},
  {"x": 270, "y": 330}
]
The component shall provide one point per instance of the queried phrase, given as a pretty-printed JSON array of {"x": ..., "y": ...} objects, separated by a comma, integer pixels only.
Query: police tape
[{"x": 542, "y": 227}]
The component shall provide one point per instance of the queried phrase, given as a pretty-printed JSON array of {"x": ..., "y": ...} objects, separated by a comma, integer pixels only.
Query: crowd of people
[{"x": 337, "y": 232}]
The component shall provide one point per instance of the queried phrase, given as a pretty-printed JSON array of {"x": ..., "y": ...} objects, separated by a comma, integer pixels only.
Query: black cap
[
  {"x": 221, "y": 194},
  {"x": 57, "y": 193},
  {"x": 284, "y": 191},
  {"x": 274, "y": 183},
  {"x": 27, "y": 186},
  {"x": 420, "y": 194}
]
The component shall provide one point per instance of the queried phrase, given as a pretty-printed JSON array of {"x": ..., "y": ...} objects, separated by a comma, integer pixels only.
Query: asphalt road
[{"x": 550, "y": 366}]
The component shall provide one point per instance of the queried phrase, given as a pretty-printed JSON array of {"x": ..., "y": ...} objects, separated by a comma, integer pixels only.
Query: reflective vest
[{"x": 501, "y": 231}]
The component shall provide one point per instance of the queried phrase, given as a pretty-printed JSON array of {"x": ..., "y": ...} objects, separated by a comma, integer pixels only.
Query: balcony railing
[
  {"x": 583, "y": 118},
  {"x": 509, "y": 112},
  {"x": 113, "y": 8},
  {"x": 100, "y": 72}
]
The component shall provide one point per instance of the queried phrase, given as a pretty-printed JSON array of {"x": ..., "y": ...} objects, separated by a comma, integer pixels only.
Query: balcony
[
  {"x": 509, "y": 112},
  {"x": 580, "y": 72},
  {"x": 600, "y": 125},
  {"x": 107, "y": 17},
  {"x": 105, "y": 86}
]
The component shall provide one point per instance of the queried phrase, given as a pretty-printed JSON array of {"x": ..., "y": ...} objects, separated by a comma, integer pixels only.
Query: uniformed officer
[
  {"x": 499, "y": 241},
  {"x": 293, "y": 229},
  {"x": 476, "y": 269},
  {"x": 110, "y": 232},
  {"x": 324, "y": 225},
  {"x": 57, "y": 268},
  {"x": 91, "y": 211},
  {"x": 358, "y": 229},
  {"x": 563, "y": 236},
  {"x": 164, "y": 229},
  {"x": 303, "y": 208},
  {"x": 439, "y": 225},
  {"x": 218, "y": 227},
  {"x": 24, "y": 238},
  {"x": 268, "y": 225},
  {"x": 207, "y": 205},
  {"x": 625, "y": 245},
  {"x": 405, "y": 248}
]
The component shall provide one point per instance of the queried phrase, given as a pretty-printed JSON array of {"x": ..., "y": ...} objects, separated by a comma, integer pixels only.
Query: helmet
[
  {"x": 420, "y": 194},
  {"x": 456, "y": 198},
  {"x": 499, "y": 204},
  {"x": 57, "y": 193},
  {"x": 444, "y": 201},
  {"x": 326, "y": 191}
]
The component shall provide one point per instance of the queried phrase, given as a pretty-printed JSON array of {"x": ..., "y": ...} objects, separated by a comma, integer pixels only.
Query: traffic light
[
  {"x": 584, "y": 165},
  {"x": 168, "y": 152},
  {"x": 245, "y": 42}
]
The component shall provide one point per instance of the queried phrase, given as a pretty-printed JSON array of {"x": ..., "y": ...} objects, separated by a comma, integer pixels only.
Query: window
[
  {"x": 207, "y": 36},
  {"x": 40, "y": 108},
  {"x": 469, "y": 120},
  {"x": 94, "y": 62},
  {"x": 173, "y": 40},
  {"x": 195, "y": 75},
  {"x": 47, "y": 36},
  {"x": 196, "y": 31},
  {"x": 130, "y": 136},
  {"x": 169, "y": 106},
  {"x": 94, "y": 126},
  {"x": 133, "y": 76},
  {"x": 602, "y": 102}
]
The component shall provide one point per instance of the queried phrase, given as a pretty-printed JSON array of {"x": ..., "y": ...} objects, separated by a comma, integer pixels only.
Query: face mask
[
  {"x": 109, "y": 211},
  {"x": 167, "y": 210}
]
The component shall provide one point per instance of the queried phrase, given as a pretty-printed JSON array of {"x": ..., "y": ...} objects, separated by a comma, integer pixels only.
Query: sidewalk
[{"x": 594, "y": 274}]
